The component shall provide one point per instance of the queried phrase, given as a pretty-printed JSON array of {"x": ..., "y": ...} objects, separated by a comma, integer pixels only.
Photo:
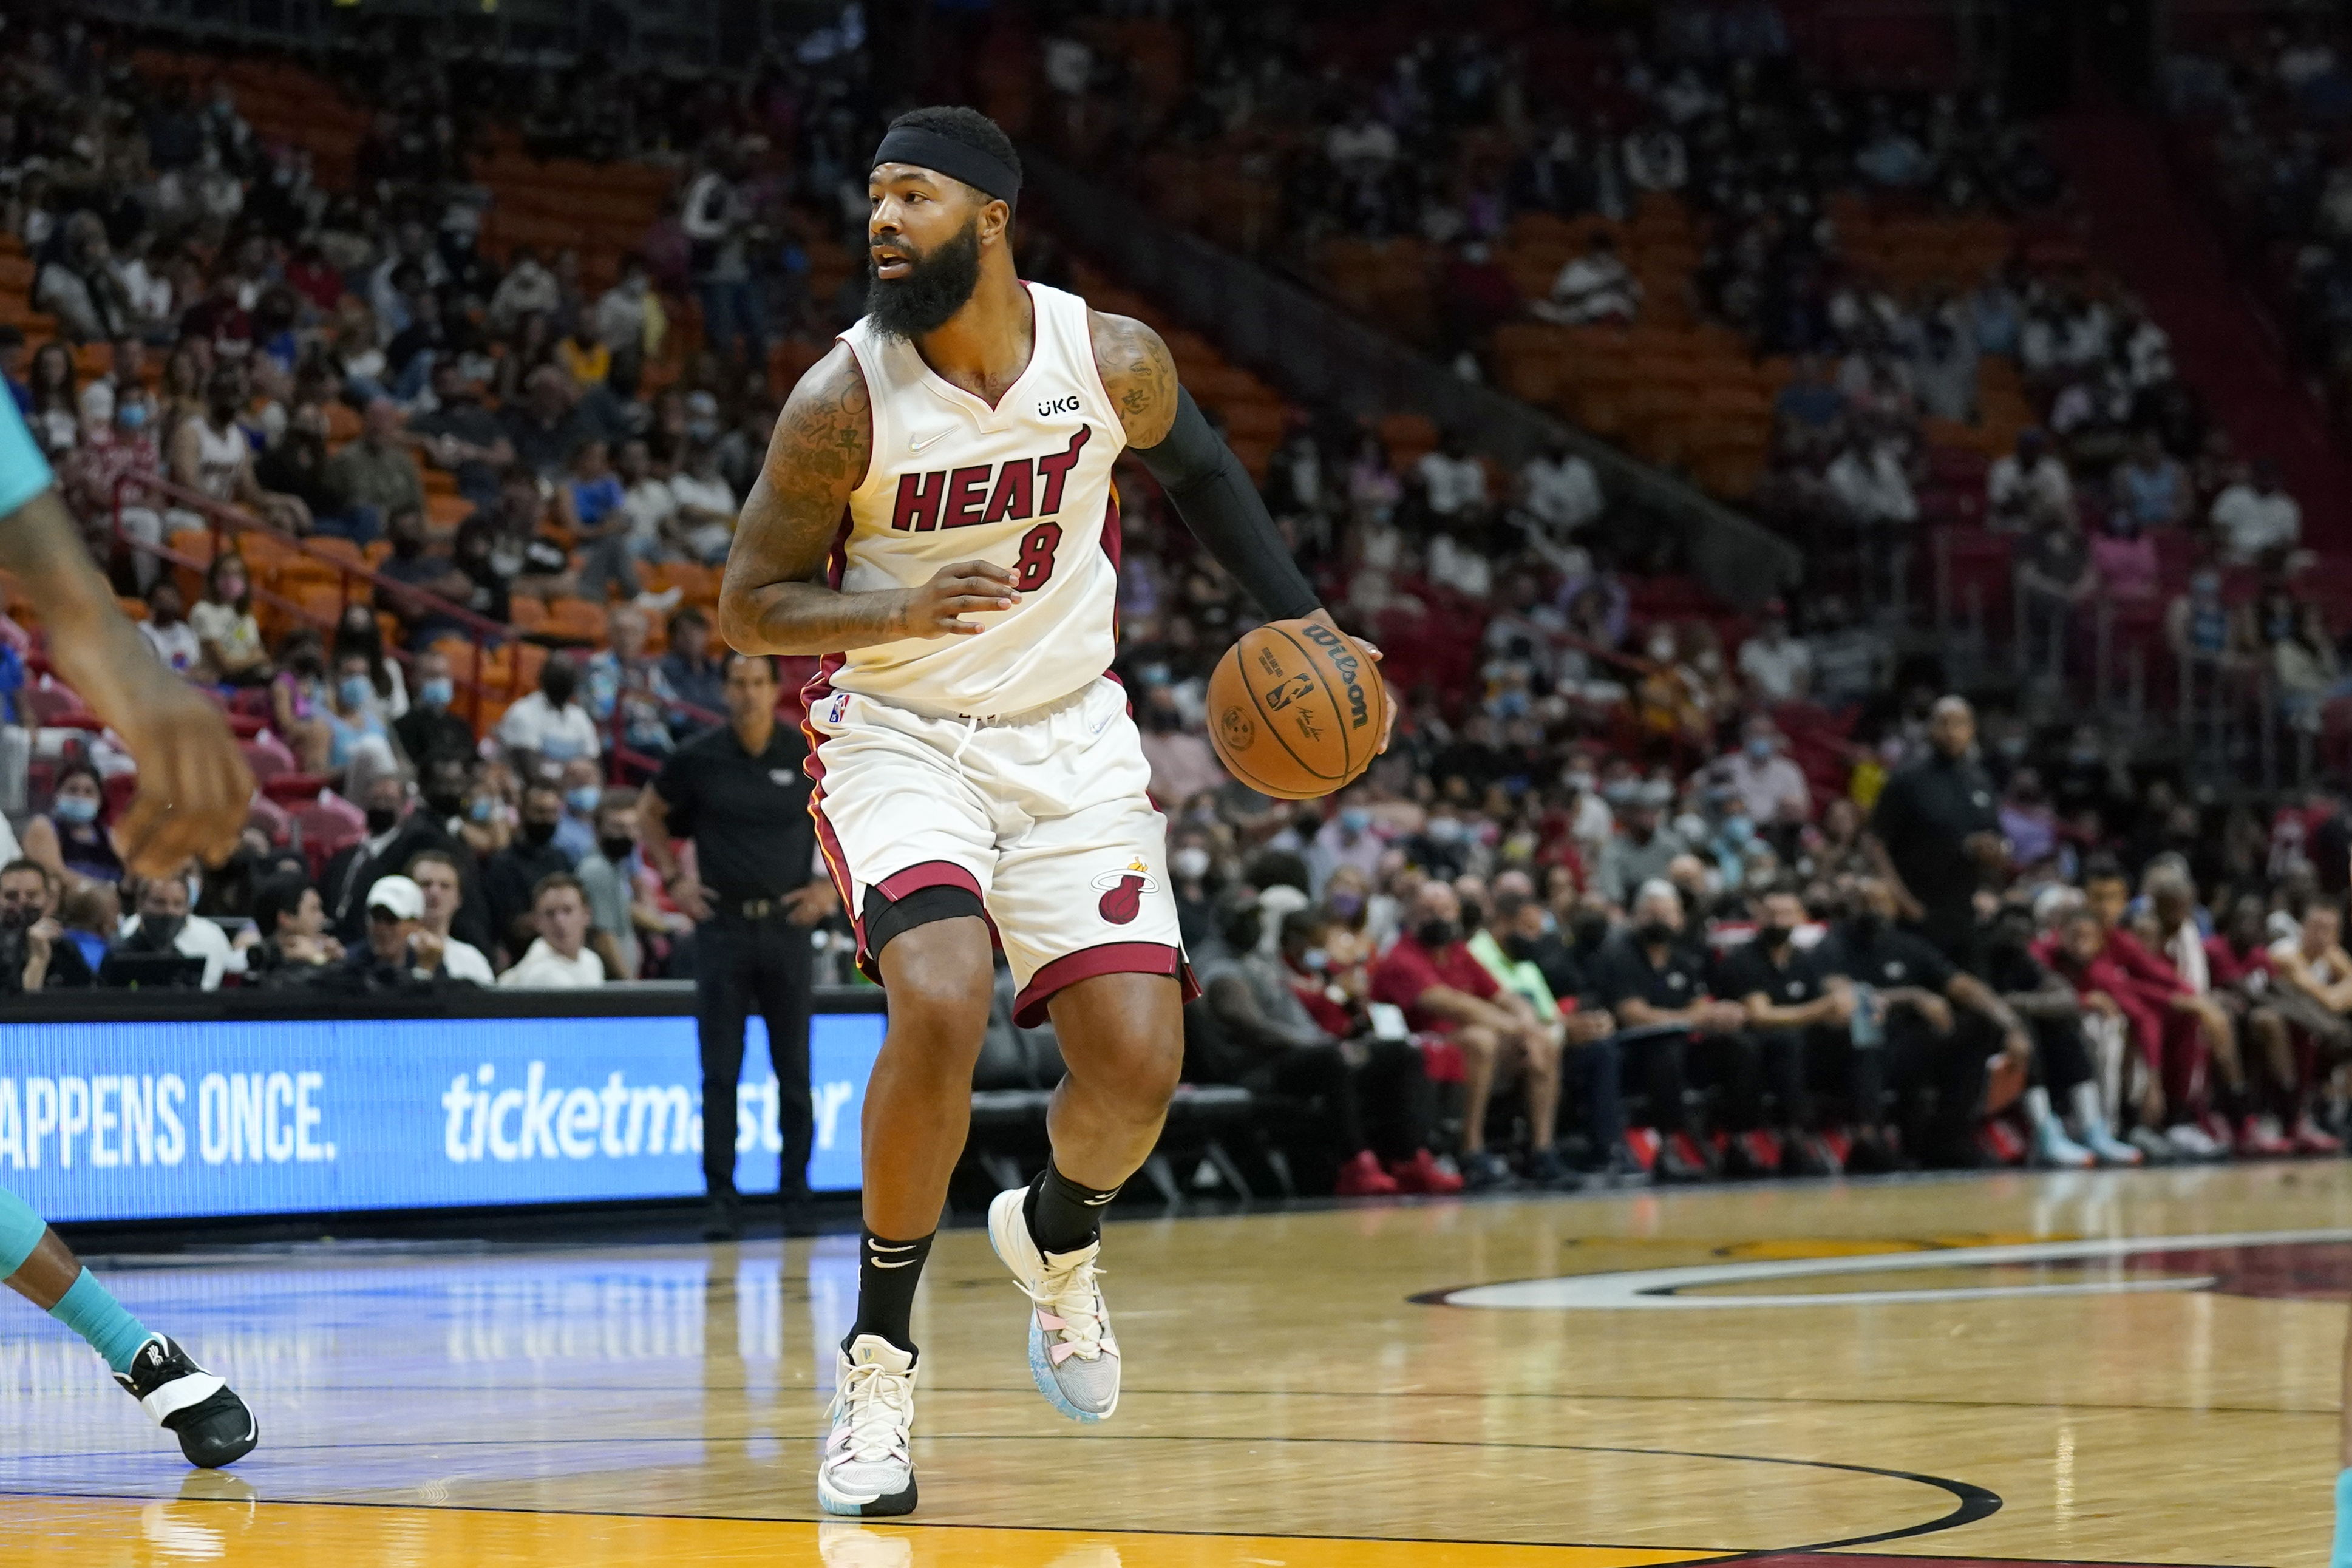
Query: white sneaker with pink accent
[{"x": 1073, "y": 1356}]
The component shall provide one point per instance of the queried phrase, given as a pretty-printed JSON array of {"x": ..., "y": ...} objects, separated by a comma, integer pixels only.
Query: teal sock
[
  {"x": 2341, "y": 1557},
  {"x": 90, "y": 1311},
  {"x": 20, "y": 1231}
]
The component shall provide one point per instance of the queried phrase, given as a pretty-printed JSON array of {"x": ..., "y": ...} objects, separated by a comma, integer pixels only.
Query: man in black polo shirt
[
  {"x": 513, "y": 873},
  {"x": 1794, "y": 1013},
  {"x": 741, "y": 794},
  {"x": 1656, "y": 987},
  {"x": 1936, "y": 832},
  {"x": 1936, "y": 1024}
]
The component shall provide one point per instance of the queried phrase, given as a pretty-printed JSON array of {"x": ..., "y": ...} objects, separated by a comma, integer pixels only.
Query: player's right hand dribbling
[{"x": 968, "y": 587}]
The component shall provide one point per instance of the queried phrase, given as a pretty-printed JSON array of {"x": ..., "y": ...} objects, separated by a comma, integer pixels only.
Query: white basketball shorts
[{"x": 1043, "y": 816}]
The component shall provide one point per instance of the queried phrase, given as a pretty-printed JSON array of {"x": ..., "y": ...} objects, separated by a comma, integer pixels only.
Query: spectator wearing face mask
[
  {"x": 1188, "y": 864},
  {"x": 513, "y": 872},
  {"x": 395, "y": 835},
  {"x": 1768, "y": 784},
  {"x": 1935, "y": 1025},
  {"x": 1442, "y": 848},
  {"x": 1430, "y": 974},
  {"x": 357, "y": 730},
  {"x": 548, "y": 723},
  {"x": 1654, "y": 982},
  {"x": 1644, "y": 847},
  {"x": 429, "y": 730},
  {"x": 1516, "y": 949},
  {"x": 163, "y": 924},
  {"x": 583, "y": 792},
  {"x": 605, "y": 873},
  {"x": 1286, "y": 1052},
  {"x": 73, "y": 839},
  {"x": 1346, "y": 839},
  {"x": 46, "y": 957}
]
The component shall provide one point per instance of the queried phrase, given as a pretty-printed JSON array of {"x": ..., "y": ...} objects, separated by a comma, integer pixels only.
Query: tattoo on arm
[
  {"x": 1140, "y": 375},
  {"x": 771, "y": 602}
]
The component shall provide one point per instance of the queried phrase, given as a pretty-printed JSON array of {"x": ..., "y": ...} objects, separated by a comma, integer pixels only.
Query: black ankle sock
[
  {"x": 887, "y": 1272},
  {"x": 2231, "y": 1103},
  {"x": 1063, "y": 1216}
]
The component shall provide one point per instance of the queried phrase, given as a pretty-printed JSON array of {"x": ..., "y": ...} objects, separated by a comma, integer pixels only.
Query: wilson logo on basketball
[
  {"x": 1342, "y": 654},
  {"x": 1123, "y": 891}
]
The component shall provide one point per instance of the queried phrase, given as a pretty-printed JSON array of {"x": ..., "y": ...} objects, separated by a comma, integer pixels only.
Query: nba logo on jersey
[
  {"x": 1123, "y": 890},
  {"x": 840, "y": 706}
]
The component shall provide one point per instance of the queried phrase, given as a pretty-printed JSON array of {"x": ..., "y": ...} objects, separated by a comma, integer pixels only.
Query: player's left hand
[
  {"x": 810, "y": 903},
  {"x": 1388, "y": 723}
]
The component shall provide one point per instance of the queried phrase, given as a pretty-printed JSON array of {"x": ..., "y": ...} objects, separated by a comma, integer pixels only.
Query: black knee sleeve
[{"x": 887, "y": 918}]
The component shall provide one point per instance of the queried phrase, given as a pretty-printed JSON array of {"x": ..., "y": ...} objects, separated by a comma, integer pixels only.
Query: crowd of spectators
[
  {"x": 2259, "y": 112},
  {"x": 1560, "y": 876},
  {"x": 2122, "y": 498},
  {"x": 1636, "y": 890},
  {"x": 350, "y": 363},
  {"x": 1591, "y": 831},
  {"x": 1453, "y": 133}
]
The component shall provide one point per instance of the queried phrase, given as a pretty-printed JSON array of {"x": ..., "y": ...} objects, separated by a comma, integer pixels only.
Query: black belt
[{"x": 751, "y": 908}]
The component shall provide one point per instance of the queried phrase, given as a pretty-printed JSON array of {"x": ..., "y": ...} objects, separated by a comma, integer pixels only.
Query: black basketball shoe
[{"x": 212, "y": 1424}]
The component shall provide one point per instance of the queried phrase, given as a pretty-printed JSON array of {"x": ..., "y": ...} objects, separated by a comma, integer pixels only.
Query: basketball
[{"x": 1295, "y": 711}]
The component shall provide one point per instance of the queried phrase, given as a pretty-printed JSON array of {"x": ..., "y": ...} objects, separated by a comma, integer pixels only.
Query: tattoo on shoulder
[
  {"x": 824, "y": 438},
  {"x": 1140, "y": 375}
]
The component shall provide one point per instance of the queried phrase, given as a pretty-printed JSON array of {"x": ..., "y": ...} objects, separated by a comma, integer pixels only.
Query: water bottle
[{"x": 1865, "y": 1030}]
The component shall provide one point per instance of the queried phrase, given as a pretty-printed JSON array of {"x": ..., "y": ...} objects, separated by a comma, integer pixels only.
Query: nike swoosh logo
[
  {"x": 901, "y": 1263},
  {"x": 1098, "y": 1202},
  {"x": 931, "y": 440},
  {"x": 878, "y": 1247}
]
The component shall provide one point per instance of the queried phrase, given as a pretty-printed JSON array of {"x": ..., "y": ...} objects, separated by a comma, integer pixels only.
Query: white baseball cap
[{"x": 398, "y": 898}]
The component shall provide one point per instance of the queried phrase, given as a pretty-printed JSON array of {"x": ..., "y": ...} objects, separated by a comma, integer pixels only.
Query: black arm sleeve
[{"x": 1213, "y": 494}]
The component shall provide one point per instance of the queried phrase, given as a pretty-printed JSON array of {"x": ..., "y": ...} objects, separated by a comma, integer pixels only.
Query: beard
[{"x": 936, "y": 285}]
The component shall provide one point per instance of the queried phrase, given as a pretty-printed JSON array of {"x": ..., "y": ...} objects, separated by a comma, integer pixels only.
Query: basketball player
[
  {"x": 937, "y": 518},
  {"x": 193, "y": 794}
]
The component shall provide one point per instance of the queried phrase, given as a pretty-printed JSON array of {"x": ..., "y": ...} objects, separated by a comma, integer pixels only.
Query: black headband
[{"x": 982, "y": 170}]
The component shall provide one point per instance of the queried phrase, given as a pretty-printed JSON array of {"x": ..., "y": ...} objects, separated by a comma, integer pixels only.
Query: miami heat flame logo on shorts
[{"x": 1123, "y": 891}]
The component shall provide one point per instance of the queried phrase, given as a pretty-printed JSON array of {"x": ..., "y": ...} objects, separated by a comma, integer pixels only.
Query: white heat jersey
[{"x": 1025, "y": 485}]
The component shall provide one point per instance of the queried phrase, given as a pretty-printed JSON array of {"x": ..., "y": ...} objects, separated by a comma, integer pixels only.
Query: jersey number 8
[{"x": 1036, "y": 562}]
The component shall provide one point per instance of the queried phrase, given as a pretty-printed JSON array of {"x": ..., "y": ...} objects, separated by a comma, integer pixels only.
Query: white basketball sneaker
[
  {"x": 1071, "y": 1354},
  {"x": 866, "y": 1469}
]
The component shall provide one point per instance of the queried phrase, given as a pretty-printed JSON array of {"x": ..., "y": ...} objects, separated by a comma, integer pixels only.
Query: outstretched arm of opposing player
[
  {"x": 774, "y": 599},
  {"x": 1204, "y": 481},
  {"x": 193, "y": 788}
]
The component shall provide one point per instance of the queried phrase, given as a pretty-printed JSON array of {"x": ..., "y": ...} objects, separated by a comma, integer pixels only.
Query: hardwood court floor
[{"x": 2023, "y": 1375}]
